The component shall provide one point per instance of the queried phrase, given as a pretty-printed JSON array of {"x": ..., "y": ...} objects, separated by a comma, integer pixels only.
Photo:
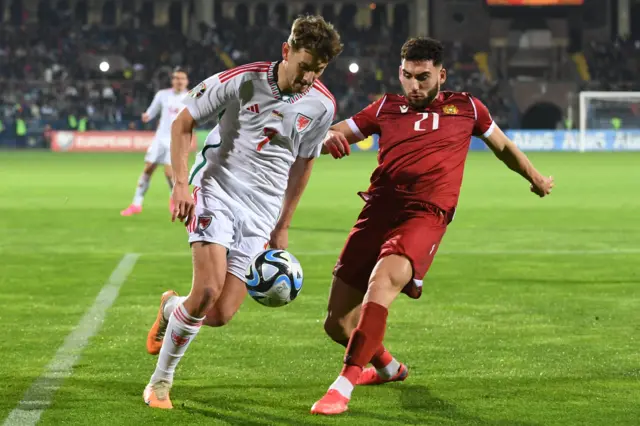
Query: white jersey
[
  {"x": 260, "y": 133},
  {"x": 168, "y": 104}
]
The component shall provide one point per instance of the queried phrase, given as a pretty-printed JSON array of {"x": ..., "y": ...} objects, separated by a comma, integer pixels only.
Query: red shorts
[{"x": 413, "y": 230}]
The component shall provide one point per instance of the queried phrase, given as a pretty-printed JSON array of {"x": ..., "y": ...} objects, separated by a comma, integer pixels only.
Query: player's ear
[
  {"x": 285, "y": 51},
  {"x": 443, "y": 75}
]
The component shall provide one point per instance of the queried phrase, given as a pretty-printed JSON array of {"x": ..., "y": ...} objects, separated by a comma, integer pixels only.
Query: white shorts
[
  {"x": 159, "y": 152},
  {"x": 220, "y": 220}
]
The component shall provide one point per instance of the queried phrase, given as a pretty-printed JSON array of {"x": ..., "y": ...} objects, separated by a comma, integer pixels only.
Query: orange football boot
[
  {"x": 333, "y": 402},
  {"x": 159, "y": 327},
  {"x": 156, "y": 395}
]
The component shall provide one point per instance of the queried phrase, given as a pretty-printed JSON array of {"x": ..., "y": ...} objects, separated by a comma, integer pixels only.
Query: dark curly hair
[{"x": 422, "y": 49}]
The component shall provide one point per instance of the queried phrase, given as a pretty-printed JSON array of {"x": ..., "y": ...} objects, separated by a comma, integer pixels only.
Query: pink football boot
[{"x": 131, "y": 210}]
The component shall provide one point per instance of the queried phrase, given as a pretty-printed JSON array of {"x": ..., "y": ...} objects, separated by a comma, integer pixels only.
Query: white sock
[
  {"x": 170, "y": 182},
  {"x": 181, "y": 331},
  {"x": 172, "y": 304},
  {"x": 141, "y": 189},
  {"x": 343, "y": 385},
  {"x": 390, "y": 369}
]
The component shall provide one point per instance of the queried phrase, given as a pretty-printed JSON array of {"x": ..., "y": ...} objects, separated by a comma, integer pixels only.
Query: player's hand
[
  {"x": 183, "y": 204},
  {"x": 145, "y": 117},
  {"x": 336, "y": 144},
  {"x": 542, "y": 185},
  {"x": 279, "y": 238}
]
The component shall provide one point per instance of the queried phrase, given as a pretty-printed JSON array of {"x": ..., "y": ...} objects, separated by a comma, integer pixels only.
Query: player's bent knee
[
  {"x": 393, "y": 271},
  {"x": 149, "y": 168},
  {"x": 218, "y": 318},
  {"x": 201, "y": 300}
]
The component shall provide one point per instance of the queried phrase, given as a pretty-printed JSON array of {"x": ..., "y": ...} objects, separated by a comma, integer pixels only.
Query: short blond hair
[{"x": 313, "y": 33}]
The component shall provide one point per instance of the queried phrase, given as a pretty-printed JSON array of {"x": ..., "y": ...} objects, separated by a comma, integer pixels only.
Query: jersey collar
[{"x": 272, "y": 78}]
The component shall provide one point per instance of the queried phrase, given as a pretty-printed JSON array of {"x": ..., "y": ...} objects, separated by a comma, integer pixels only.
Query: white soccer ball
[{"x": 274, "y": 278}]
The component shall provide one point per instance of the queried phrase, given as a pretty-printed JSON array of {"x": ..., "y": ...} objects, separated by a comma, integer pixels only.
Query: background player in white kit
[
  {"x": 167, "y": 103},
  {"x": 273, "y": 118}
]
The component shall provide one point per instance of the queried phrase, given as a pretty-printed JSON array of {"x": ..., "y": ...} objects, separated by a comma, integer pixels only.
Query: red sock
[
  {"x": 382, "y": 358},
  {"x": 365, "y": 340}
]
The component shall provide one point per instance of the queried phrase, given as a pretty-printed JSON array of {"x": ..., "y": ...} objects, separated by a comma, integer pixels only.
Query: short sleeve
[
  {"x": 206, "y": 99},
  {"x": 484, "y": 124},
  {"x": 365, "y": 123},
  {"x": 311, "y": 143}
]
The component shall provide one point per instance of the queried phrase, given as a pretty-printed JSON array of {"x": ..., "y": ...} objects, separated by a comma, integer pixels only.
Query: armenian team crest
[{"x": 450, "y": 109}]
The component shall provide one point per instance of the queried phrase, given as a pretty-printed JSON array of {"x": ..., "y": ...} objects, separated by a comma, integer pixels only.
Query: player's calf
[
  {"x": 340, "y": 328},
  {"x": 389, "y": 276},
  {"x": 141, "y": 189},
  {"x": 209, "y": 268},
  {"x": 342, "y": 318},
  {"x": 229, "y": 302},
  {"x": 219, "y": 316},
  {"x": 209, "y": 265}
]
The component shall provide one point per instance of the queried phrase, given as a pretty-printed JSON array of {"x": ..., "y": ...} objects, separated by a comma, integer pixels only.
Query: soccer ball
[{"x": 274, "y": 278}]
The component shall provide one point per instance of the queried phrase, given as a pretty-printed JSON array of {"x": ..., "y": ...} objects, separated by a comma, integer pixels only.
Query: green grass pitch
[{"x": 530, "y": 315}]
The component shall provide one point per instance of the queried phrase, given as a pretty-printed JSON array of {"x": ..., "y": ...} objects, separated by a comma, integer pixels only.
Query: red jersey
[{"x": 421, "y": 153}]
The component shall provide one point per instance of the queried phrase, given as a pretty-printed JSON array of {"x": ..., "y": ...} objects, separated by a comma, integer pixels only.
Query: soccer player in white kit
[
  {"x": 272, "y": 120},
  {"x": 167, "y": 103}
]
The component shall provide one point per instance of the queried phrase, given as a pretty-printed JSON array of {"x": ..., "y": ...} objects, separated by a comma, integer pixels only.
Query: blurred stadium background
[
  {"x": 95, "y": 65},
  {"x": 530, "y": 316}
]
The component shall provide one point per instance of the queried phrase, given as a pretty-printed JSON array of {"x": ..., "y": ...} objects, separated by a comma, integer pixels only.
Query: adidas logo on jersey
[{"x": 254, "y": 108}]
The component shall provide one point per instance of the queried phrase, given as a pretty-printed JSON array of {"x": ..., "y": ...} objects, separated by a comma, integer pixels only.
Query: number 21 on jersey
[{"x": 420, "y": 126}]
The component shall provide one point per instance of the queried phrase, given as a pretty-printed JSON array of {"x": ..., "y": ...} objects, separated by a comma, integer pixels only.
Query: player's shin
[
  {"x": 141, "y": 189},
  {"x": 363, "y": 344},
  {"x": 181, "y": 331}
]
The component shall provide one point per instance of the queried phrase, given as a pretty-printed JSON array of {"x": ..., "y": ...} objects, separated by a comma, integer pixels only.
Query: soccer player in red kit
[{"x": 423, "y": 145}]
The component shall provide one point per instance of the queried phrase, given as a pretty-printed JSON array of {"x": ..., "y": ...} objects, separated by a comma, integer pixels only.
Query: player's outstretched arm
[
  {"x": 338, "y": 140},
  {"x": 181, "y": 134},
  {"x": 516, "y": 160},
  {"x": 153, "y": 110},
  {"x": 298, "y": 178}
]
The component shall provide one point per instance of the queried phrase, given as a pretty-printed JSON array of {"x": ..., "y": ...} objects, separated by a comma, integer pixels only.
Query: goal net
[{"x": 612, "y": 118}]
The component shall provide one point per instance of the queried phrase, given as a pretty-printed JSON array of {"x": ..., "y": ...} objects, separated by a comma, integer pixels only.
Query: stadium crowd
[{"x": 48, "y": 78}]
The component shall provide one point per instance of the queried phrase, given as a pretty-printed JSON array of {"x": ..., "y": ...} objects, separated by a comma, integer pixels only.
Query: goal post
[{"x": 607, "y": 111}]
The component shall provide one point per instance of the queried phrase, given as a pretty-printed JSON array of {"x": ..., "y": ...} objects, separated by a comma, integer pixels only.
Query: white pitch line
[{"x": 39, "y": 396}]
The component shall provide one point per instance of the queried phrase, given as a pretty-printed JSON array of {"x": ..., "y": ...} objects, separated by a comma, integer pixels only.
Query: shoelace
[
  {"x": 162, "y": 329},
  {"x": 161, "y": 389}
]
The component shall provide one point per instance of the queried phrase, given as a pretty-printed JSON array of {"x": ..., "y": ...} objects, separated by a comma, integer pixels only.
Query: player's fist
[
  {"x": 183, "y": 204},
  {"x": 145, "y": 117},
  {"x": 279, "y": 238},
  {"x": 336, "y": 144},
  {"x": 542, "y": 185}
]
